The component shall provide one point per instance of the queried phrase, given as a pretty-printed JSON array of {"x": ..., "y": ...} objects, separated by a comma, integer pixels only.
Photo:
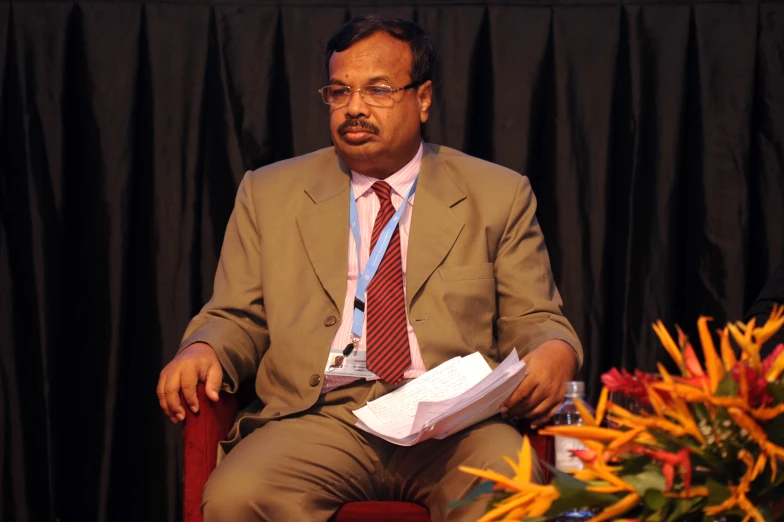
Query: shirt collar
[{"x": 401, "y": 181}]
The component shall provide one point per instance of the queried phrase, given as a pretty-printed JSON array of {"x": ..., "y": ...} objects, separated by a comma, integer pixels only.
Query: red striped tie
[{"x": 388, "y": 352}]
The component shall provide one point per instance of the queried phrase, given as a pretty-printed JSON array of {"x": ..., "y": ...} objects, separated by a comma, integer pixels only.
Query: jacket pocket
[{"x": 469, "y": 295}]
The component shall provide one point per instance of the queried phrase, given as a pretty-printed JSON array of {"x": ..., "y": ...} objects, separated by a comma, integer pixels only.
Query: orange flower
[
  {"x": 772, "y": 325},
  {"x": 727, "y": 353},
  {"x": 583, "y": 432},
  {"x": 673, "y": 404},
  {"x": 756, "y": 432},
  {"x": 585, "y": 413},
  {"x": 774, "y": 364},
  {"x": 738, "y": 498},
  {"x": 622, "y": 506},
  {"x": 766, "y": 414},
  {"x": 668, "y": 343},
  {"x": 529, "y": 499},
  {"x": 743, "y": 334},
  {"x": 712, "y": 362},
  {"x": 601, "y": 407}
]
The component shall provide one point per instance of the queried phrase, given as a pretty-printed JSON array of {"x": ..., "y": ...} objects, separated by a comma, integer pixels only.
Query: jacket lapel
[
  {"x": 324, "y": 228},
  {"x": 434, "y": 226}
]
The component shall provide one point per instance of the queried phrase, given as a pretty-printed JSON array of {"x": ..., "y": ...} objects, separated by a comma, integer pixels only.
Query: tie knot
[{"x": 383, "y": 191}]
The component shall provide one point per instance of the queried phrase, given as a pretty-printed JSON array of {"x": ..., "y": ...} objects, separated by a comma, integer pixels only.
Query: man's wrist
[{"x": 558, "y": 347}]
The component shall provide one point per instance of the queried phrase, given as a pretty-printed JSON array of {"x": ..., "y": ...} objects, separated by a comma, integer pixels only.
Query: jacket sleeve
[
  {"x": 529, "y": 305},
  {"x": 771, "y": 295},
  {"x": 233, "y": 322}
]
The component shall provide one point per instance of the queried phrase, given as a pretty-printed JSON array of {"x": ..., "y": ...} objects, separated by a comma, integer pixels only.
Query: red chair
[{"x": 202, "y": 432}]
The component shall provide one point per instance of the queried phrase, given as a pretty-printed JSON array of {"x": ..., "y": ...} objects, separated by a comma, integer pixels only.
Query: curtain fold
[{"x": 653, "y": 135}]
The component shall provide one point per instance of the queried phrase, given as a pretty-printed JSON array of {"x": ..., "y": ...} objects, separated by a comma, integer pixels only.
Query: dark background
[{"x": 653, "y": 133}]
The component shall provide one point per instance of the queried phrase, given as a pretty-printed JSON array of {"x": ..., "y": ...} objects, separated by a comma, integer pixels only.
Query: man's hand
[
  {"x": 548, "y": 368},
  {"x": 196, "y": 363}
]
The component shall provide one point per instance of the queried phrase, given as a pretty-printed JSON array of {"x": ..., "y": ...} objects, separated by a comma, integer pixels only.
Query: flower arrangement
[{"x": 705, "y": 445}]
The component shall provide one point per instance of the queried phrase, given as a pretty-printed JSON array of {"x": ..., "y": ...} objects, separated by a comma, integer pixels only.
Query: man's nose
[{"x": 356, "y": 106}]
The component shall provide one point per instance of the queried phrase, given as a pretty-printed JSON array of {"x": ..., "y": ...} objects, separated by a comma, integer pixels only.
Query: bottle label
[{"x": 563, "y": 453}]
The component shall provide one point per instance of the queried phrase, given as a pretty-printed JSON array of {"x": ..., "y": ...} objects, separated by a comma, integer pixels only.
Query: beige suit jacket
[{"x": 478, "y": 274}]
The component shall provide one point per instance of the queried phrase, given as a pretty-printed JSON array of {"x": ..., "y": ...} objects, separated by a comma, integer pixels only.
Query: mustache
[{"x": 357, "y": 123}]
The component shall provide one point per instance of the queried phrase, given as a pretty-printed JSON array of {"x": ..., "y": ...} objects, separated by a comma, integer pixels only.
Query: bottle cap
[{"x": 575, "y": 388}]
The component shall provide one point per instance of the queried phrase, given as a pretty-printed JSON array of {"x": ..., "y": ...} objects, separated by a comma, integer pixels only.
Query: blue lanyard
[{"x": 374, "y": 261}]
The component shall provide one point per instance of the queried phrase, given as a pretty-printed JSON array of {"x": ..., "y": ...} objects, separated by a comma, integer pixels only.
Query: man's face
[{"x": 377, "y": 141}]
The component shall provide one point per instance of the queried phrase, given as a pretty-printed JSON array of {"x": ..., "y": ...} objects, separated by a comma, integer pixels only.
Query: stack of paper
[{"x": 443, "y": 401}]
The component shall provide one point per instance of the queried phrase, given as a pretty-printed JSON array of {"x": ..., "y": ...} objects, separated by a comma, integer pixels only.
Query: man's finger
[
  {"x": 540, "y": 419},
  {"x": 162, "y": 396},
  {"x": 162, "y": 402},
  {"x": 171, "y": 390},
  {"x": 525, "y": 389},
  {"x": 213, "y": 382},
  {"x": 539, "y": 409},
  {"x": 531, "y": 400},
  {"x": 189, "y": 381}
]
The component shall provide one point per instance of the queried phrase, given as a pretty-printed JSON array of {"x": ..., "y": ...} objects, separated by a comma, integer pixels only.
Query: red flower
[
  {"x": 588, "y": 456},
  {"x": 632, "y": 386},
  {"x": 758, "y": 386},
  {"x": 669, "y": 461},
  {"x": 770, "y": 359}
]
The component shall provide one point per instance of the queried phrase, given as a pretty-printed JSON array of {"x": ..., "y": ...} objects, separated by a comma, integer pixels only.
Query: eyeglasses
[{"x": 376, "y": 95}]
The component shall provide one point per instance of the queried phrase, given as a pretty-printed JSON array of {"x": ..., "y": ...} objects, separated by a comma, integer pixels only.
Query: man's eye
[
  {"x": 378, "y": 91},
  {"x": 339, "y": 91}
]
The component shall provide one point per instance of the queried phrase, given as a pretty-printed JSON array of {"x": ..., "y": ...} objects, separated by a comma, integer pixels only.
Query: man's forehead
[{"x": 377, "y": 57}]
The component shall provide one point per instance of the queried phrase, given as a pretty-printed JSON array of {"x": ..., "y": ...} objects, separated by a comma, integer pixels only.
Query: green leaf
[
  {"x": 777, "y": 390},
  {"x": 771, "y": 492},
  {"x": 650, "y": 478},
  {"x": 734, "y": 515},
  {"x": 655, "y": 500},
  {"x": 766, "y": 513},
  {"x": 573, "y": 494},
  {"x": 717, "y": 492},
  {"x": 634, "y": 464},
  {"x": 728, "y": 387},
  {"x": 685, "y": 506},
  {"x": 775, "y": 430},
  {"x": 558, "y": 474},
  {"x": 700, "y": 412},
  {"x": 775, "y": 427},
  {"x": 580, "y": 499}
]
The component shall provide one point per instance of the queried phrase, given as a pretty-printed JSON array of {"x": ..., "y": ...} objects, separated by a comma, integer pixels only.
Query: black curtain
[{"x": 653, "y": 134}]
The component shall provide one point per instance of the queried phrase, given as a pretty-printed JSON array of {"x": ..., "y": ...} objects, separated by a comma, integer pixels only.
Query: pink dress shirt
[{"x": 367, "y": 208}]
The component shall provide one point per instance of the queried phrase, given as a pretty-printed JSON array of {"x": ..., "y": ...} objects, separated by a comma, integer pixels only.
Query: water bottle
[{"x": 568, "y": 415}]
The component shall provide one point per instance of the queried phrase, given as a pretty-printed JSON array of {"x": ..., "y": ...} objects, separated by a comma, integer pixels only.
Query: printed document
[{"x": 455, "y": 395}]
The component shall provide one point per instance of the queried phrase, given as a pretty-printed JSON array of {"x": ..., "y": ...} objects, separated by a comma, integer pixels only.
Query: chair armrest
[{"x": 201, "y": 433}]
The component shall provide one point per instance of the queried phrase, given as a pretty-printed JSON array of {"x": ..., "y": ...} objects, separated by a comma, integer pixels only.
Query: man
[
  {"x": 464, "y": 269},
  {"x": 772, "y": 294}
]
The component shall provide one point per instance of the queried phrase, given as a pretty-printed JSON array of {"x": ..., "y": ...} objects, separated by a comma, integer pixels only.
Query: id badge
[{"x": 352, "y": 365}]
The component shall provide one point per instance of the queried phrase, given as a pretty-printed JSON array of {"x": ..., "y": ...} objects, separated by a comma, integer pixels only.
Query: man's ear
[{"x": 425, "y": 99}]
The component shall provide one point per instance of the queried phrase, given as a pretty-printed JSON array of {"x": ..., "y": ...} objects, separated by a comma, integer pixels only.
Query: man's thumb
[{"x": 213, "y": 382}]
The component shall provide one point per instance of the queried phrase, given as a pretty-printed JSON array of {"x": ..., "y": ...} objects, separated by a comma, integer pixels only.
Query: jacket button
[
  {"x": 330, "y": 320},
  {"x": 315, "y": 380}
]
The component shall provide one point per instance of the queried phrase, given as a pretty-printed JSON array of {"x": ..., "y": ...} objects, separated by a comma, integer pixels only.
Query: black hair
[{"x": 423, "y": 52}]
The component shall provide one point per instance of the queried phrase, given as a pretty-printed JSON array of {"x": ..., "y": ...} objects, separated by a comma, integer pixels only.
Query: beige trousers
[{"x": 303, "y": 468}]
